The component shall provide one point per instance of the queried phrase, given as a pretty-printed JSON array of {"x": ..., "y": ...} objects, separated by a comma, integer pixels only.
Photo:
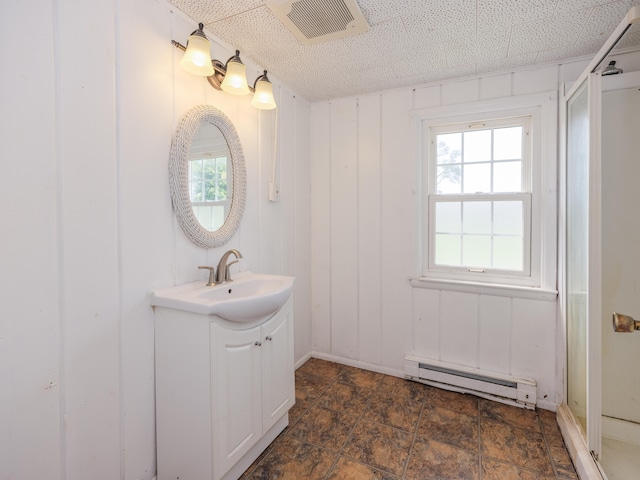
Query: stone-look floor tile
[
  {"x": 450, "y": 427},
  {"x": 403, "y": 387},
  {"x": 292, "y": 459},
  {"x": 518, "y": 417},
  {"x": 384, "y": 448},
  {"x": 309, "y": 386},
  {"x": 247, "y": 473},
  {"x": 514, "y": 445},
  {"x": 323, "y": 427},
  {"x": 496, "y": 470},
  {"x": 345, "y": 398},
  {"x": 394, "y": 410},
  {"x": 298, "y": 410},
  {"x": 321, "y": 368},
  {"x": 458, "y": 402},
  {"x": 359, "y": 377},
  {"x": 347, "y": 469},
  {"x": 434, "y": 460}
]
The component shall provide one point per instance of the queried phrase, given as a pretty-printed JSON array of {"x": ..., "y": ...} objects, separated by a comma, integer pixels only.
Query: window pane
[
  {"x": 477, "y": 146},
  {"x": 476, "y": 251},
  {"x": 448, "y": 180},
  {"x": 477, "y": 217},
  {"x": 210, "y": 191},
  {"x": 209, "y": 166},
  {"x": 507, "y": 143},
  {"x": 448, "y": 218},
  {"x": 448, "y": 250},
  {"x": 477, "y": 178},
  {"x": 196, "y": 191},
  {"x": 507, "y": 218},
  {"x": 507, "y": 253},
  {"x": 195, "y": 170},
  {"x": 507, "y": 177},
  {"x": 449, "y": 147}
]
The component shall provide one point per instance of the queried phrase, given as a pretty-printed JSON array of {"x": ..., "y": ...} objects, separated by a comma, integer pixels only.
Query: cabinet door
[
  {"x": 278, "y": 381},
  {"x": 237, "y": 399}
]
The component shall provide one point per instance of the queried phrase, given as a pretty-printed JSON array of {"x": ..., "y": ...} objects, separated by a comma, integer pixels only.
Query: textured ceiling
[{"x": 412, "y": 42}]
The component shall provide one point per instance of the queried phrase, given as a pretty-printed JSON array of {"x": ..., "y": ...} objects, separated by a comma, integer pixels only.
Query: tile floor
[{"x": 354, "y": 424}]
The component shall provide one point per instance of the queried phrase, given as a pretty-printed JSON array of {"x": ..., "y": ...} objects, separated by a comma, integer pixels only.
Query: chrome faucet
[
  {"x": 212, "y": 274},
  {"x": 222, "y": 273}
]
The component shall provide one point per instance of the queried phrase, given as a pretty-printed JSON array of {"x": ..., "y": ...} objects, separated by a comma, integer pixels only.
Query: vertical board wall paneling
[
  {"x": 145, "y": 127},
  {"x": 270, "y": 212},
  {"x": 397, "y": 218},
  {"x": 90, "y": 239},
  {"x": 321, "y": 228},
  {"x": 302, "y": 188},
  {"x": 30, "y": 373},
  {"x": 533, "y": 353},
  {"x": 344, "y": 228},
  {"x": 286, "y": 182},
  {"x": 248, "y": 123},
  {"x": 494, "y": 334},
  {"x": 426, "y": 323},
  {"x": 459, "y": 328},
  {"x": 369, "y": 230},
  {"x": 460, "y": 92}
]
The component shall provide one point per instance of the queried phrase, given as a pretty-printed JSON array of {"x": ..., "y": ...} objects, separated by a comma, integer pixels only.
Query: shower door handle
[{"x": 624, "y": 323}]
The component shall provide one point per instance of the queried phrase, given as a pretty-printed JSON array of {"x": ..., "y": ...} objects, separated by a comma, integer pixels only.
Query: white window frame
[{"x": 540, "y": 276}]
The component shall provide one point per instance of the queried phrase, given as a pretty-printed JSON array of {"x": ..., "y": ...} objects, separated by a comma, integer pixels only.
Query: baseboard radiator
[{"x": 519, "y": 392}]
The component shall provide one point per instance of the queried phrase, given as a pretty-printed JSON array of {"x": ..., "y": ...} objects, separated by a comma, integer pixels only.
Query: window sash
[
  {"x": 433, "y": 131},
  {"x": 466, "y": 270}
]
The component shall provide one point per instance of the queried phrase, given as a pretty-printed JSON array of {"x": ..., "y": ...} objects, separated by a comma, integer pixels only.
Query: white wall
[
  {"x": 88, "y": 230},
  {"x": 365, "y": 239}
]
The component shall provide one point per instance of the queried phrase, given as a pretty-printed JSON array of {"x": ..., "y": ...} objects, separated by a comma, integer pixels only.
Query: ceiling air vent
[{"x": 317, "y": 21}]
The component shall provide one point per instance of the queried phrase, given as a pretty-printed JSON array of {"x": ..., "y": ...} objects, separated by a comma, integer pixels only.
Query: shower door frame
[{"x": 586, "y": 451}]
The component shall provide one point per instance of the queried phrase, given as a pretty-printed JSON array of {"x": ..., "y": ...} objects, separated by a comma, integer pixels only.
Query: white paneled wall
[
  {"x": 365, "y": 243},
  {"x": 88, "y": 229}
]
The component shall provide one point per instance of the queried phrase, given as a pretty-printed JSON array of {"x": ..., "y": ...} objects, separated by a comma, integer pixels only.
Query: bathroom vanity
[{"x": 223, "y": 388}]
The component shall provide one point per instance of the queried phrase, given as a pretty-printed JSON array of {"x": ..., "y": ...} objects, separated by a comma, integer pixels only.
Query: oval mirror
[{"x": 207, "y": 177}]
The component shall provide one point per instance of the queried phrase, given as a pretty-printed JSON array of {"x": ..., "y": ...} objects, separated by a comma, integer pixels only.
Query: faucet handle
[{"x": 212, "y": 275}]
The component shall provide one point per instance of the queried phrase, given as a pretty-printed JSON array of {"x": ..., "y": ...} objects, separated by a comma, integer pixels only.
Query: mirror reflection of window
[
  {"x": 209, "y": 177},
  {"x": 208, "y": 190}
]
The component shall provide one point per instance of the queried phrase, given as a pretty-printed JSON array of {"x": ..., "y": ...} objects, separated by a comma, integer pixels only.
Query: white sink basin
[{"x": 248, "y": 298}]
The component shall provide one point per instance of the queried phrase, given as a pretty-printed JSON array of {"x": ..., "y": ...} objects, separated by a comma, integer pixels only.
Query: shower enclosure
[{"x": 601, "y": 271}]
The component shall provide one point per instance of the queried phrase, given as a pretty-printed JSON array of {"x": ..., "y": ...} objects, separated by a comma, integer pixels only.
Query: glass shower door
[{"x": 583, "y": 258}]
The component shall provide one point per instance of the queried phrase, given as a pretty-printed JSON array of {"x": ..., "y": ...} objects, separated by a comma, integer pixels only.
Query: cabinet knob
[
  {"x": 258, "y": 343},
  {"x": 268, "y": 337}
]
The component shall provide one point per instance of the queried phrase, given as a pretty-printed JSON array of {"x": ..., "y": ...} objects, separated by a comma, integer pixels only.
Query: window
[
  {"x": 480, "y": 196},
  {"x": 489, "y": 195}
]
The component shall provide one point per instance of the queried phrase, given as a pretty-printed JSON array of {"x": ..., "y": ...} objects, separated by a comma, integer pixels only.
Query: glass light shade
[
  {"x": 197, "y": 58},
  {"x": 263, "y": 96},
  {"x": 235, "y": 80}
]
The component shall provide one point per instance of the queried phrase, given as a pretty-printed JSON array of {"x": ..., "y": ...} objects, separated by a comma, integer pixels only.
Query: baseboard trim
[
  {"x": 359, "y": 364},
  {"x": 302, "y": 360}
]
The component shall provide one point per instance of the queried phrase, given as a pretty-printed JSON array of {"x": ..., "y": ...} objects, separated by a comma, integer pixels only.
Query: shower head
[{"x": 611, "y": 69}]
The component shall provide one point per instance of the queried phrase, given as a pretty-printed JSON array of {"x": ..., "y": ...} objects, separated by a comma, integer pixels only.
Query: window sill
[{"x": 501, "y": 290}]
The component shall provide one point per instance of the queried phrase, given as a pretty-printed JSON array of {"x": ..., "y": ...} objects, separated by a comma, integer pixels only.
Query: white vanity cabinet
[{"x": 223, "y": 391}]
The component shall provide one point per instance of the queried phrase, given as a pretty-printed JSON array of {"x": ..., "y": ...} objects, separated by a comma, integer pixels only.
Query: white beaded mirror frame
[{"x": 179, "y": 176}]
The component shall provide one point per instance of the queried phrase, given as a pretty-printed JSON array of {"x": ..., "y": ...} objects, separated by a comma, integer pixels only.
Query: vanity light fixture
[{"x": 230, "y": 77}]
